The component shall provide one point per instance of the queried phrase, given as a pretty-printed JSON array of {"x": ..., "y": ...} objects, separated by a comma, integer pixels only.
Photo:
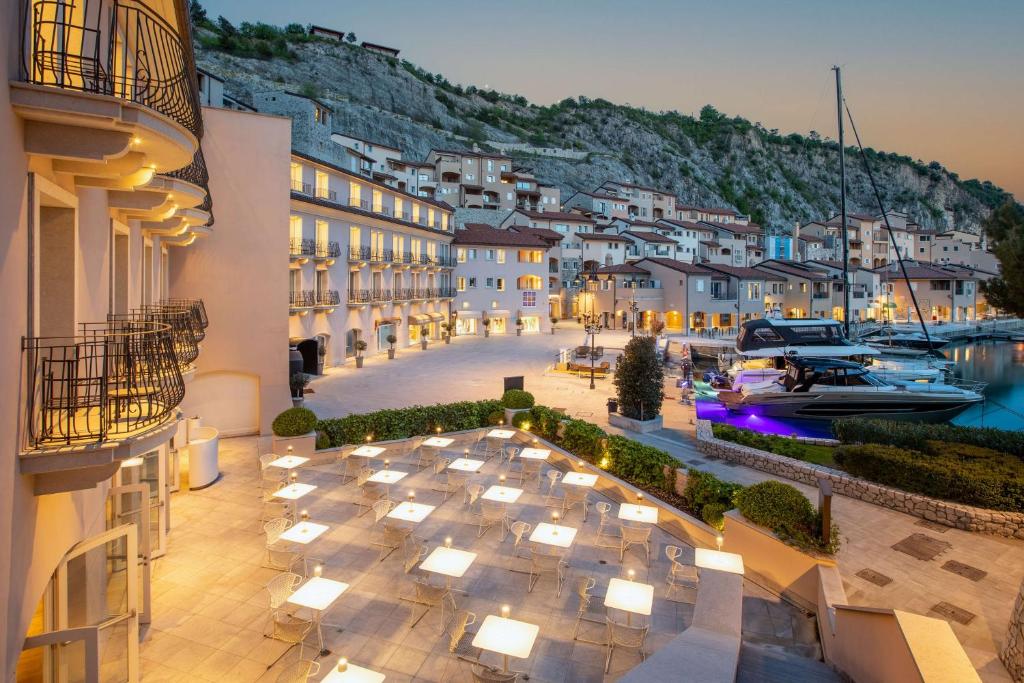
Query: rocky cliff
[{"x": 713, "y": 159}]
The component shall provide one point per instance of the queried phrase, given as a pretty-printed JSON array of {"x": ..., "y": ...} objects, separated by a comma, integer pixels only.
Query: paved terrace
[
  {"x": 211, "y": 606},
  {"x": 472, "y": 368}
]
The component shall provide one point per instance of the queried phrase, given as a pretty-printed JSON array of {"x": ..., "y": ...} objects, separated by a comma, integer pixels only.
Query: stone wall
[
  {"x": 966, "y": 517},
  {"x": 1012, "y": 652}
]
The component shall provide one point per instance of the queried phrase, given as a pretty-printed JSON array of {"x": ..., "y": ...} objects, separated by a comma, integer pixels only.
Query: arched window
[{"x": 529, "y": 282}]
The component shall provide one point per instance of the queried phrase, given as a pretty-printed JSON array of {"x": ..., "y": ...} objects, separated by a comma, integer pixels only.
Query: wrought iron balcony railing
[
  {"x": 403, "y": 294},
  {"x": 359, "y": 296},
  {"x": 384, "y": 256},
  {"x": 195, "y": 172},
  {"x": 299, "y": 186},
  {"x": 114, "y": 381},
  {"x": 358, "y": 253},
  {"x": 328, "y": 297},
  {"x": 328, "y": 250},
  {"x": 303, "y": 298},
  {"x": 301, "y": 247},
  {"x": 446, "y": 292},
  {"x": 380, "y": 295},
  {"x": 198, "y": 309},
  {"x": 120, "y": 48},
  {"x": 184, "y": 328}
]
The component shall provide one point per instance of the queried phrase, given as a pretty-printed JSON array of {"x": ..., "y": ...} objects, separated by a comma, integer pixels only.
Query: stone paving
[
  {"x": 472, "y": 368},
  {"x": 210, "y": 605}
]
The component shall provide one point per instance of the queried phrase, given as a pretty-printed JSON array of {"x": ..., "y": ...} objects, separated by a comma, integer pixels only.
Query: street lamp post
[{"x": 592, "y": 324}]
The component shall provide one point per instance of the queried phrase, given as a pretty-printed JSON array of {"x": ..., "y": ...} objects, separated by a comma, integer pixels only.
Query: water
[
  {"x": 998, "y": 363},
  {"x": 1001, "y": 365}
]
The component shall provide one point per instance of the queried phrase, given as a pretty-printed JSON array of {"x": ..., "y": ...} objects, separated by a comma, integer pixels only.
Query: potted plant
[
  {"x": 639, "y": 379},
  {"x": 487, "y": 327},
  {"x": 391, "y": 339},
  {"x": 295, "y": 428},
  {"x": 554, "y": 321},
  {"x": 360, "y": 347},
  {"x": 519, "y": 327},
  {"x": 424, "y": 331},
  {"x": 446, "y": 334},
  {"x": 298, "y": 383}
]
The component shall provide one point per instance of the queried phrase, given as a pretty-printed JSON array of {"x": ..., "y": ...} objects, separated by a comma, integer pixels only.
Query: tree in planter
[
  {"x": 446, "y": 333},
  {"x": 424, "y": 331},
  {"x": 391, "y": 339},
  {"x": 638, "y": 379},
  {"x": 554, "y": 321},
  {"x": 486, "y": 322},
  {"x": 298, "y": 383},
  {"x": 656, "y": 327},
  {"x": 360, "y": 347},
  {"x": 519, "y": 327}
]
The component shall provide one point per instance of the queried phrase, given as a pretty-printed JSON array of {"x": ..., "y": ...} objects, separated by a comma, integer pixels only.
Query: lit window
[
  {"x": 501, "y": 256},
  {"x": 460, "y": 283},
  {"x": 501, "y": 284},
  {"x": 529, "y": 299}
]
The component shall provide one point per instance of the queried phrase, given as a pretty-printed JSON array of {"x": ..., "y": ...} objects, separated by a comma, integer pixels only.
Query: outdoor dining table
[
  {"x": 449, "y": 562},
  {"x": 289, "y": 462},
  {"x": 580, "y": 479},
  {"x": 638, "y": 513},
  {"x": 507, "y": 637},
  {"x": 632, "y": 597},
  {"x": 304, "y": 532},
  {"x": 716, "y": 559},
  {"x": 502, "y": 494},
  {"x": 368, "y": 451},
  {"x": 501, "y": 433},
  {"x": 411, "y": 512},
  {"x": 438, "y": 442},
  {"x": 293, "y": 492},
  {"x": 466, "y": 465},
  {"x": 387, "y": 477},
  {"x": 318, "y": 594},
  {"x": 535, "y": 453},
  {"x": 553, "y": 534},
  {"x": 352, "y": 674}
]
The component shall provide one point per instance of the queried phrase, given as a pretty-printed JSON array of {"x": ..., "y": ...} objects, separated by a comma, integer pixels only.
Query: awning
[
  {"x": 498, "y": 314},
  {"x": 469, "y": 314},
  {"x": 418, "y": 319},
  {"x": 436, "y": 317},
  {"x": 387, "y": 321}
]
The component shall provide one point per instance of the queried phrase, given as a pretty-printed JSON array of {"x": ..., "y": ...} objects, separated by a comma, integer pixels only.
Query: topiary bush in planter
[
  {"x": 638, "y": 380},
  {"x": 522, "y": 420},
  {"x": 294, "y": 422},
  {"x": 517, "y": 399},
  {"x": 322, "y": 441},
  {"x": 787, "y": 512}
]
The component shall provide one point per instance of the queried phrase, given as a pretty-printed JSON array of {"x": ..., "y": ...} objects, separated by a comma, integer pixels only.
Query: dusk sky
[{"x": 938, "y": 79}]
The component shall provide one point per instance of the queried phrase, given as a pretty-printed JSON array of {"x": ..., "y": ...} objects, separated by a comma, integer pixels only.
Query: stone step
[{"x": 764, "y": 663}]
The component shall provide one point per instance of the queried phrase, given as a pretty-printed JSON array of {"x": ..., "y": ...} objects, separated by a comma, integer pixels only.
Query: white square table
[
  {"x": 579, "y": 479},
  {"x": 387, "y": 477},
  {"x": 507, "y": 637},
  {"x": 466, "y": 465},
  {"x": 411, "y": 512},
  {"x": 502, "y": 494},
  {"x": 304, "y": 532},
  {"x": 438, "y": 442},
  {"x": 632, "y": 597},
  {"x": 715, "y": 559},
  {"x": 293, "y": 491},
  {"x": 289, "y": 462},
  {"x": 368, "y": 451},
  {"x": 352, "y": 674},
  {"x": 535, "y": 453},
  {"x": 449, "y": 562},
  {"x": 553, "y": 534},
  {"x": 501, "y": 433},
  {"x": 638, "y": 513},
  {"x": 318, "y": 594}
]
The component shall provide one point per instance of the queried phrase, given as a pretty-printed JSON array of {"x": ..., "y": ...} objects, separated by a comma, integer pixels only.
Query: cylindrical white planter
[{"x": 203, "y": 468}]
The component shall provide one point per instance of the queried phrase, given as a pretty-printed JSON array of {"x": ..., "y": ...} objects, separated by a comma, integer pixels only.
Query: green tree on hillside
[{"x": 1005, "y": 231}]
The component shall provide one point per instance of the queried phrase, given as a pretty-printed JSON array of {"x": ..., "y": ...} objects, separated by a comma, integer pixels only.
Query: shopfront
[
  {"x": 531, "y": 323},
  {"x": 467, "y": 322},
  {"x": 499, "y": 321},
  {"x": 386, "y": 328},
  {"x": 419, "y": 327}
]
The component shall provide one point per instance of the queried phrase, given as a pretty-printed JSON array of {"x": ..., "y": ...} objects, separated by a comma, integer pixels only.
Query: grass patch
[{"x": 816, "y": 454}]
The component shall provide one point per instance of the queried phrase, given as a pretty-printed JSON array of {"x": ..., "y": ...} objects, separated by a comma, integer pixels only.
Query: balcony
[
  {"x": 363, "y": 204},
  {"x": 380, "y": 296},
  {"x": 198, "y": 310},
  {"x": 172, "y": 204},
  {"x": 358, "y": 254},
  {"x": 448, "y": 262},
  {"x": 403, "y": 294},
  {"x": 91, "y": 400},
  {"x": 358, "y": 297},
  {"x": 327, "y": 298},
  {"x": 385, "y": 256},
  {"x": 107, "y": 89},
  {"x": 301, "y": 249},
  {"x": 817, "y": 294},
  {"x": 301, "y": 187},
  {"x": 419, "y": 294},
  {"x": 301, "y": 299},
  {"x": 324, "y": 193},
  {"x": 446, "y": 293},
  {"x": 186, "y": 332},
  {"x": 403, "y": 258},
  {"x": 327, "y": 251}
]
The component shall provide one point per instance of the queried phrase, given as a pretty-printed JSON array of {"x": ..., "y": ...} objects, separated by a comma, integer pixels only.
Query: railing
[
  {"x": 328, "y": 250},
  {"x": 301, "y": 247},
  {"x": 448, "y": 262},
  {"x": 359, "y": 296},
  {"x": 359, "y": 203},
  {"x": 403, "y": 294},
  {"x": 446, "y": 293},
  {"x": 419, "y": 293},
  {"x": 324, "y": 193},
  {"x": 110, "y": 382},
  {"x": 304, "y": 188},
  {"x": 385, "y": 256},
  {"x": 303, "y": 298},
  {"x": 358, "y": 253},
  {"x": 406, "y": 257},
  {"x": 120, "y": 48},
  {"x": 198, "y": 309},
  {"x": 328, "y": 297},
  {"x": 821, "y": 295},
  {"x": 185, "y": 330},
  {"x": 195, "y": 172},
  {"x": 380, "y": 295}
]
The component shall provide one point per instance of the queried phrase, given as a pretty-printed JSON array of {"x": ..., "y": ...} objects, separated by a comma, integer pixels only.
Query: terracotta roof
[
  {"x": 755, "y": 247},
  {"x": 710, "y": 243},
  {"x": 639, "y": 187},
  {"x": 554, "y": 216},
  {"x": 542, "y": 233},
  {"x": 650, "y": 237},
  {"x": 483, "y": 234},
  {"x": 469, "y": 186},
  {"x": 703, "y": 209},
  {"x": 598, "y": 195},
  {"x": 744, "y": 273},
  {"x": 794, "y": 269},
  {"x": 688, "y": 225},
  {"x": 602, "y": 237},
  {"x": 379, "y": 47},
  {"x": 917, "y": 271},
  {"x": 623, "y": 269},
  {"x": 679, "y": 266},
  {"x": 751, "y": 229},
  {"x": 812, "y": 238}
]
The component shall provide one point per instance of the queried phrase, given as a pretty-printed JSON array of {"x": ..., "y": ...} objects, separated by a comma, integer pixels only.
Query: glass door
[
  {"x": 149, "y": 469},
  {"x": 131, "y": 505}
]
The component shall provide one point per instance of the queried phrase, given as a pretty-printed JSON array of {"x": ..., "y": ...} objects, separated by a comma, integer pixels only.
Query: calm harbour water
[{"x": 998, "y": 363}]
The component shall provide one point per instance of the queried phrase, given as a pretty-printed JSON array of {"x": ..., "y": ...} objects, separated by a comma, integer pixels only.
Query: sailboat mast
[{"x": 842, "y": 201}]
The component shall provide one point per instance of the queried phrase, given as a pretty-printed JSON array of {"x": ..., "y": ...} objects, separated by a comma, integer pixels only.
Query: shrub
[
  {"x": 960, "y": 473},
  {"x": 638, "y": 379},
  {"x": 639, "y": 463},
  {"x": 916, "y": 435},
  {"x": 322, "y": 441},
  {"x": 704, "y": 489},
  {"x": 402, "y": 423},
  {"x": 780, "y": 445},
  {"x": 298, "y": 383},
  {"x": 517, "y": 399},
  {"x": 714, "y": 515},
  {"x": 522, "y": 420},
  {"x": 544, "y": 422},
  {"x": 584, "y": 439},
  {"x": 787, "y": 512},
  {"x": 294, "y": 422}
]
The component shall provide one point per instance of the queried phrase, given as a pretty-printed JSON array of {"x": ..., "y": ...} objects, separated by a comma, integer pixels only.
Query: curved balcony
[
  {"x": 184, "y": 329},
  {"x": 198, "y": 310},
  {"x": 107, "y": 88}
]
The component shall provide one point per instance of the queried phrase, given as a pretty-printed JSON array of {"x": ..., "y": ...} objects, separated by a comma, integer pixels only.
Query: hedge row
[
  {"x": 403, "y": 423},
  {"x": 787, "y": 512},
  {"x": 916, "y": 435},
  {"x": 957, "y": 472},
  {"x": 780, "y": 445}
]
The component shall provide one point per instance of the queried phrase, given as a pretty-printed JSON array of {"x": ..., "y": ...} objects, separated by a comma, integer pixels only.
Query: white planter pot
[
  {"x": 629, "y": 424},
  {"x": 304, "y": 445}
]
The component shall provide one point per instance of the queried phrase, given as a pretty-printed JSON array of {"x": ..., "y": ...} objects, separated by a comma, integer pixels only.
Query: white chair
[
  {"x": 279, "y": 555},
  {"x": 370, "y": 493},
  {"x": 680, "y": 575},
  {"x": 428, "y": 456},
  {"x": 299, "y": 672},
  {"x": 270, "y": 477},
  {"x": 625, "y": 636},
  {"x": 364, "y": 474},
  {"x": 415, "y": 551},
  {"x": 440, "y": 465},
  {"x": 281, "y": 587},
  {"x": 606, "y": 525},
  {"x": 510, "y": 454},
  {"x": 353, "y": 466},
  {"x": 583, "y": 587},
  {"x": 432, "y": 596},
  {"x": 554, "y": 476},
  {"x": 494, "y": 447},
  {"x": 460, "y": 643},
  {"x": 639, "y": 536},
  {"x": 541, "y": 564},
  {"x": 486, "y": 674},
  {"x": 473, "y": 493},
  {"x": 290, "y": 628},
  {"x": 520, "y": 530},
  {"x": 491, "y": 513},
  {"x": 530, "y": 469},
  {"x": 575, "y": 495}
]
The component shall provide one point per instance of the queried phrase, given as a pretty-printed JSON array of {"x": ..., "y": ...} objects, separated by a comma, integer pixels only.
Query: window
[
  {"x": 490, "y": 165},
  {"x": 430, "y": 216},
  {"x": 472, "y": 283},
  {"x": 354, "y": 194},
  {"x": 460, "y": 283},
  {"x": 460, "y": 254},
  {"x": 415, "y": 212},
  {"x": 468, "y": 176},
  {"x": 295, "y": 227},
  {"x": 444, "y": 221},
  {"x": 490, "y": 179},
  {"x": 803, "y": 287},
  {"x": 296, "y": 172},
  {"x": 321, "y": 185},
  {"x": 489, "y": 283},
  {"x": 753, "y": 290},
  {"x": 472, "y": 254},
  {"x": 398, "y": 208},
  {"x": 530, "y": 282},
  {"x": 320, "y": 115},
  {"x": 378, "y": 201},
  {"x": 529, "y": 299},
  {"x": 501, "y": 256},
  {"x": 700, "y": 285},
  {"x": 501, "y": 284},
  {"x": 489, "y": 254}
]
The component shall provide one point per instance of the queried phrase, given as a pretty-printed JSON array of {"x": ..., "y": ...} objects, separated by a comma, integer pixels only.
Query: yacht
[
  {"x": 827, "y": 388},
  {"x": 906, "y": 340}
]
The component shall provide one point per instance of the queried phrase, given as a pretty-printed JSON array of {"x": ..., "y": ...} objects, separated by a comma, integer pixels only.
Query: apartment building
[
  {"x": 366, "y": 262},
  {"x": 602, "y": 207},
  {"x": 569, "y": 252},
  {"x": 864, "y": 289},
  {"x": 644, "y": 203},
  {"x": 602, "y": 249},
  {"x": 473, "y": 180},
  {"x": 687, "y": 212},
  {"x": 104, "y": 180},
  {"x": 736, "y": 244},
  {"x": 688, "y": 235},
  {"x": 944, "y": 293},
  {"x": 501, "y": 281},
  {"x": 809, "y": 291}
]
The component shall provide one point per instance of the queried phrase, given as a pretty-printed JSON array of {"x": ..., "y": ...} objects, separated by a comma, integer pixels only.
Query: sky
[{"x": 934, "y": 79}]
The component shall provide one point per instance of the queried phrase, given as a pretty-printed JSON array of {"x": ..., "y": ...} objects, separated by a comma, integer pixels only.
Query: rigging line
[{"x": 888, "y": 226}]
